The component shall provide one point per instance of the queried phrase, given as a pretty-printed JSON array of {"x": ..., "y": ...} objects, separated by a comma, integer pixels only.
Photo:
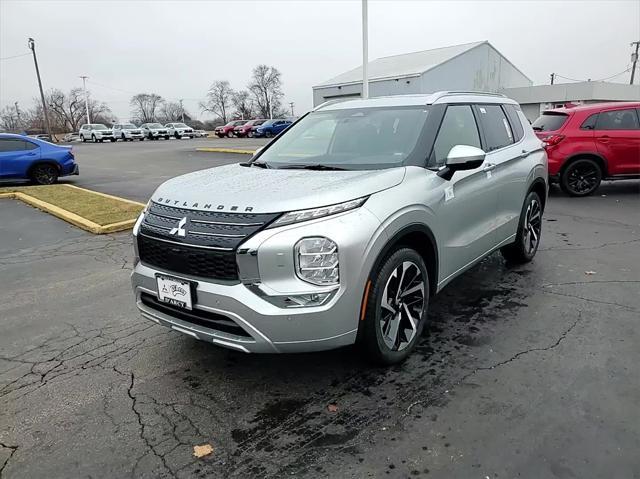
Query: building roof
[
  {"x": 402, "y": 66},
  {"x": 563, "y": 92}
]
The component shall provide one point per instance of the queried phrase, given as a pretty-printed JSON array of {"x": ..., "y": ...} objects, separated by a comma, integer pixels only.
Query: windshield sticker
[
  {"x": 482, "y": 110},
  {"x": 448, "y": 193}
]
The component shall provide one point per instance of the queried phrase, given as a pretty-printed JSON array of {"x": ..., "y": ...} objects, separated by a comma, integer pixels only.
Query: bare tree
[
  {"x": 266, "y": 87},
  {"x": 170, "y": 111},
  {"x": 145, "y": 106},
  {"x": 243, "y": 104},
  {"x": 219, "y": 100},
  {"x": 10, "y": 120},
  {"x": 67, "y": 110}
]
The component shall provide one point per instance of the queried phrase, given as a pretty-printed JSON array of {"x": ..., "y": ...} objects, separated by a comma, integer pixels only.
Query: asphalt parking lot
[{"x": 524, "y": 372}]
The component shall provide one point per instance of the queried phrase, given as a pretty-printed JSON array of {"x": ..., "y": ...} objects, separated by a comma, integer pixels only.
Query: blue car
[
  {"x": 271, "y": 128},
  {"x": 26, "y": 158}
]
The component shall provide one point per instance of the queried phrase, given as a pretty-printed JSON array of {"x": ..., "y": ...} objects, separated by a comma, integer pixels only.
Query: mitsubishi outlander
[{"x": 341, "y": 229}]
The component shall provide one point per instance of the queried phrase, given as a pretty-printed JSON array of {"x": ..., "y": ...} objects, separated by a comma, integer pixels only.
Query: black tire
[
  {"x": 529, "y": 232},
  {"x": 84, "y": 140},
  {"x": 268, "y": 134},
  {"x": 112, "y": 139},
  {"x": 401, "y": 264},
  {"x": 44, "y": 174},
  {"x": 250, "y": 134},
  {"x": 141, "y": 139},
  {"x": 123, "y": 138},
  {"x": 93, "y": 138},
  {"x": 101, "y": 140},
  {"x": 178, "y": 137},
  {"x": 581, "y": 177},
  {"x": 230, "y": 134}
]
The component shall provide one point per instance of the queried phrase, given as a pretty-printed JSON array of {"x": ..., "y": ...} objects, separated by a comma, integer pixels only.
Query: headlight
[
  {"x": 317, "y": 261},
  {"x": 312, "y": 214}
]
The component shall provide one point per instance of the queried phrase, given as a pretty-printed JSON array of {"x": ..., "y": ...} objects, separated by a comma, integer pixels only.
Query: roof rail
[
  {"x": 441, "y": 94},
  {"x": 331, "y": 102}
]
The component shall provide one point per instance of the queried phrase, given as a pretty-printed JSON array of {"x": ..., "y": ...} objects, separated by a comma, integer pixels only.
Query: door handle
[
  {"x": 489, "y": 167},
  {"x": 603, "y": 139}
]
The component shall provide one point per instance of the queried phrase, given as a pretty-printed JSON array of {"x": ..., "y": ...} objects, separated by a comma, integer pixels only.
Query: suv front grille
[
  {"x": 193, "y": 261},
  {"x": 208, "y": 243}
]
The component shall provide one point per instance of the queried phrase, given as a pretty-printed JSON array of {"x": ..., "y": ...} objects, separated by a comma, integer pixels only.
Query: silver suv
[
  {"x": 341, "y": 229},
  {"x": 127, "y": 132}
]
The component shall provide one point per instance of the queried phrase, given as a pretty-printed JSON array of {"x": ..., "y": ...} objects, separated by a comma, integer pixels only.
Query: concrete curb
[
  {"x": 70, "y": 217},
  {"x": 226, "y": 150}
]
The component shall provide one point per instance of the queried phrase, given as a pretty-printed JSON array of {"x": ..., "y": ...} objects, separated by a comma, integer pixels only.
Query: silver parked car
[
  {"x": 153, "y": 131},
  {"x": 179, "y": 130},
  {"x": 341, "y": 229},
  {"x": 127, "y": 132}
]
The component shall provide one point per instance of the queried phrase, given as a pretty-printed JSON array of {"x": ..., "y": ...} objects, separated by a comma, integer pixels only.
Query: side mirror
[{"x": 461, "y": 157}]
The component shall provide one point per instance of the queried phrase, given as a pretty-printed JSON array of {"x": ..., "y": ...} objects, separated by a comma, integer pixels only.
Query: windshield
[
  {"x": 240, "y": 122},
  {"x": 366, "y": 138},
  {"x": 128, "y": 126},
  {"x": 180, "y": 125},
  {"x": 154, "y": 125},
  {"x": 549, "y": 121},
  {"x": 99, "y": 126}
]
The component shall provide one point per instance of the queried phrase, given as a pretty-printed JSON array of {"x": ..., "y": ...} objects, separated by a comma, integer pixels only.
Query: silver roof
[{"x": 417, "y": 100}]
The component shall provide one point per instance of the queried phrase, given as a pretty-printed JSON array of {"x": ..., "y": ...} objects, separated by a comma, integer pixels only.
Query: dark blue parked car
[
  {"x": 26, "y": 158},
  {"x": 271, "y": 128}
]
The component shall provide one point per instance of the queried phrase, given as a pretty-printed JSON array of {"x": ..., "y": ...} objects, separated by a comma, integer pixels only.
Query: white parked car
[
  {"x": 179, "y": 130},
  {"x": 153, "y": 131},
  {"x": 96, "y": 132},
  {"x": 127, "y": 132},
  {"x": 200, "y": 134}
]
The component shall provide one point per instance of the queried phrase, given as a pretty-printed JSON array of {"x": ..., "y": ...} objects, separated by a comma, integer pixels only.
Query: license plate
[{"x": 174, "y": 291}]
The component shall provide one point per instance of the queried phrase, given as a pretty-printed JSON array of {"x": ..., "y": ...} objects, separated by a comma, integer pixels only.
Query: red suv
[
  {"x": 589, "y": 143},
  {"x": 247, "y": 129},
  {"x": 227, "y": 130}
]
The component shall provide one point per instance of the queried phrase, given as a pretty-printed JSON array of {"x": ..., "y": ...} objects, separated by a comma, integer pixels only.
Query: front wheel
[
  {"x": 230, "y": 134},
  {"x": 529, "y": 232},
  {"x": 250, "y": 134},
  {"x": 581, "y": 178},
  {"x": 166, "y": 137},
  {"x": 397, "y": 297},
  {"x": 268, "y": 134},
  {"x": 84, "y": 140}
]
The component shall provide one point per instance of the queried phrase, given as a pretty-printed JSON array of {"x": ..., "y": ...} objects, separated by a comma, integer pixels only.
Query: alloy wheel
[
  {"x": 402, "y": 306},
  {"x": 45, "y": 175},
  {"x": 532, "y": 227},
  {"x": 583, "y": 178}
]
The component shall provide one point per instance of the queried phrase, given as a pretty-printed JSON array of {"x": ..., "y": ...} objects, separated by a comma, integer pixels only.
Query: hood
[{"x": 239, "y": 189}]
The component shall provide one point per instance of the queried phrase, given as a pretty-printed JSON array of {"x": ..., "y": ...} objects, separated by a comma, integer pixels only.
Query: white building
[
  {"x": 471, "y": 66},
  {"x": 536, "y": 99}
]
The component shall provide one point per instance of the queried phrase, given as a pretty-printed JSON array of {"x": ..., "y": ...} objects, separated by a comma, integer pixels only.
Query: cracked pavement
[{"x": 524, "y": 372}]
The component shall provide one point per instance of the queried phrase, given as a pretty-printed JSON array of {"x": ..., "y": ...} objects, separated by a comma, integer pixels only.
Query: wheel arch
[
  {"x": 539, "y": 186},
  {"x": 588, "y": 155},
  {"x": 42, "y": 162},
  {"x": 419, "y": 237}
]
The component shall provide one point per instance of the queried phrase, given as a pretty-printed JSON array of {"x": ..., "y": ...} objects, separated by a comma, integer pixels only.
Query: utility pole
[
  {"x": 365, "y": 51},
  {"x": 181, "y": 110},
  {"x": 270, "y": 106},
  {"x": 553, "y": 77},
  {"x": 634, "y": 59},
  {"x": 291, "y": 105},
  {"x": 32, "y": 46},
  {"x": 86, "y": 97}
]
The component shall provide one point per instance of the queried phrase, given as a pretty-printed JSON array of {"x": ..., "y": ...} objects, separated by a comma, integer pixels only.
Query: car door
[
  {"x": 468, "y": 205},
  {"x": 617, "y": 137},
  {"x": 506, "y": 164},
  {"x": 16, "y": 156}
]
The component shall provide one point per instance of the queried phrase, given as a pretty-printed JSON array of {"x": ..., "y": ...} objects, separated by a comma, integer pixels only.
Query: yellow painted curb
[
  {"x": 226, "y": 150},
  {"x": 70, "y": 217}
]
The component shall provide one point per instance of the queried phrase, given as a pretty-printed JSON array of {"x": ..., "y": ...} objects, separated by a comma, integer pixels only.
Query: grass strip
[{"x": 94, "y": 207}]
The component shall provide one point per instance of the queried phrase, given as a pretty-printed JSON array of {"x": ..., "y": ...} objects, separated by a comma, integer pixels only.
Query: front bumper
[
  {"x": 266, "y": 326},
  {"x": 133, "y": 135}
]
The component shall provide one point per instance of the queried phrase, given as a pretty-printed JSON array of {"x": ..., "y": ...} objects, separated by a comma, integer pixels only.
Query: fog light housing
[
  {"x": 317, "y": 261},
  {"x": 306, "y": 300}
]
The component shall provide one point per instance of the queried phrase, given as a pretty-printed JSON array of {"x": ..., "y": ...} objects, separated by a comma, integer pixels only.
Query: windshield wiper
[
  {"x": 313, "y": 167},
  {"x": 259, "y": 164}
]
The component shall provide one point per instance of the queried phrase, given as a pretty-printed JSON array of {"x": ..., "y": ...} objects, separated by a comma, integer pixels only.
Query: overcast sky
[{"x": 177, "y": 48}]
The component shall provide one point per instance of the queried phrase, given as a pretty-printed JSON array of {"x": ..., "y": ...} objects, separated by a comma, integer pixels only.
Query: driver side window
[{"x": 458, "y": 127}]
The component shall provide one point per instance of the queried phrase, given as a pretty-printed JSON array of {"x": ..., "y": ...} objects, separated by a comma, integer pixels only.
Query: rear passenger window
[
  {"x": 11, "y": 144},
  {"x": 617, "y": 120},
  {"x": 512, "y": 113},
  {"x": 30, "y": 146},
  {"x": 589, "y": 123},
  {"x": 497, "y": 131},
  {"x": 458, "y": 128}
]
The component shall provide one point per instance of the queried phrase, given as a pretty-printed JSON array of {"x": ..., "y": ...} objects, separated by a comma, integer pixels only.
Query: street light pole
[
  {"x": 182, "y": 110},
  {"x": 32, "y": 46},
  {"x": 291, "y": 105},
  {"x": 365, "y": 51},
  {"x": 634, "y": 59},
  {"x": 18, "y": 115},
  {"x": 86, "y": 97}
]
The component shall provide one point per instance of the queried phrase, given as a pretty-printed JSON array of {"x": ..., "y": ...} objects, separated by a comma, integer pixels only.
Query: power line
[
  {"x": 15, "y": 56},
  {"x": 628, "y": 69}
]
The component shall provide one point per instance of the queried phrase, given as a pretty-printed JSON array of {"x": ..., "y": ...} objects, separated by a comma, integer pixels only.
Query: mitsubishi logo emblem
[{"x": 180, "y": 228}]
